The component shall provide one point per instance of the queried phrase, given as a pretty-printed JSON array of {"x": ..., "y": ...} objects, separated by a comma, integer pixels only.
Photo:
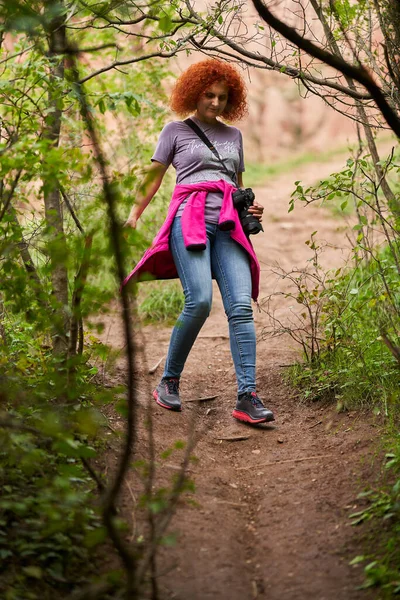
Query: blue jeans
[{"x": 228, "y": 262}]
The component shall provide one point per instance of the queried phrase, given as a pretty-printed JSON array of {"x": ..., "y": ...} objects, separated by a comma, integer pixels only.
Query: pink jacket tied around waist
[{"x": 157, "y": 261}]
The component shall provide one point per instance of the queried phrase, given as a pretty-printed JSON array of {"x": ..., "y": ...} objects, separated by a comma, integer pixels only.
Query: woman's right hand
[
  {"x": 145, "y": 192},
  {"x": 131, "y": 221}
]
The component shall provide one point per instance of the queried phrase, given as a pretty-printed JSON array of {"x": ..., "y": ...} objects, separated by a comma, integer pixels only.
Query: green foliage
[
  {"x": 357, "y": 334},
  {"x": 348, "y": 13},
  {"x": 162, "y": 302},
  {"x": 358, "y": 307},
  {"x": 45, "y": 511},
  {"x": 158, "y": 501},
  {"x": 44, "y": 516},
  {"x": 353, "y": 318},
  {"x": 354, "y": 366},
  {"x": 383, "y": 514},
  {"x": 353, "y": 188},
  {"x": 51, "y": 423}
]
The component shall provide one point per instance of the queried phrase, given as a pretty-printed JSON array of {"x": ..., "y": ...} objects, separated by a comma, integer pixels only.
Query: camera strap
[{"x": 200, "y": 133}]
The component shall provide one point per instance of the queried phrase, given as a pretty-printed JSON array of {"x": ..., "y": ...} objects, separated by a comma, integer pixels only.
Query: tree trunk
[
  {"x": 26, "y": 256},
  {"x": 52, "y": 197},
  {"x": 3, "y": 336},
  {"x": 389, "y": 19}
]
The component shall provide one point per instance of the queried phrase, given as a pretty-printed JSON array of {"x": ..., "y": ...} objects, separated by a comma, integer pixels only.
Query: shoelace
[
  {"x": 172, "y": 386},
  {"x": 255, "y": 400}
]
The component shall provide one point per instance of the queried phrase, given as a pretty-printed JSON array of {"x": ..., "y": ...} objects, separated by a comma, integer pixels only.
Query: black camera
[{"x": 242, "y": 200}]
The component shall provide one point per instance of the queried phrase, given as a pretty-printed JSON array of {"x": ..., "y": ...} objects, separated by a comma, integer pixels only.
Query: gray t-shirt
[{"x": 194, "y": 162}]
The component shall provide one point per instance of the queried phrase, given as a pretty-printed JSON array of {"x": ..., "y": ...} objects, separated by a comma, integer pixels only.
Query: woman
[{"x": 202, "y": 236}]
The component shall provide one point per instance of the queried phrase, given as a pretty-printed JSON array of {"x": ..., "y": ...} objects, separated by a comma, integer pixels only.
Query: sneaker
[
  {"x": 250, "y": 409},
  {"x": 166, "y": 393}
]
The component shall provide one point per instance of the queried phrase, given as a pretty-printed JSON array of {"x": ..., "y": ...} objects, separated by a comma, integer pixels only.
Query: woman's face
[{"x": 212, "y": 102}]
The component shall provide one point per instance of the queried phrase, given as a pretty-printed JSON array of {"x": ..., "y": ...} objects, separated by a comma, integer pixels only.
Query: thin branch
[
  {"x": 392, "y": 74},
  {"x": 91, "y": 49},
  {"x": 16, "y": 54},
  {"x": 68, "y": 204},
  {"x": 131, "y": 61},
  {"x": 10, "y": 194},
  {"x": 360, "y": 108},
  {"x": 93, "y": 475},
  {"x": 395, "y": 350},
  {"x": 27, "y": 260},
  {"x": 360, "y": 73},
  {"x": 79, "y": 284},
  {"x": 10, "y": 423},
  {"x": 166, "y": 516},
  {"x": 109, "y": 192},
  {"x": 256, "y": 59}
]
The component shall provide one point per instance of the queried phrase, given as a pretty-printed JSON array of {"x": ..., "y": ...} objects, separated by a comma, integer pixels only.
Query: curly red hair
[{"x": 200, "y": 76}]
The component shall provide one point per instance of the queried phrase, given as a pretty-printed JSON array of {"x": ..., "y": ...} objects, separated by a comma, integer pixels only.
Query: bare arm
[{"x": 146, "y": 191}]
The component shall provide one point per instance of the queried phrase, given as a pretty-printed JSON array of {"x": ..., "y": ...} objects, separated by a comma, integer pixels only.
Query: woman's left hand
[{"x": 257, "y": 210}]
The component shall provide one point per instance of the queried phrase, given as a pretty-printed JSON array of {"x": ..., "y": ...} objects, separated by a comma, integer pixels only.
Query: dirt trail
[{"x": 271, "y": 515}]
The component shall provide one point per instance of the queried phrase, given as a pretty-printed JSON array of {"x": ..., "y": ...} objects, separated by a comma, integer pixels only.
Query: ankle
[{"x": 243, "y": 394}]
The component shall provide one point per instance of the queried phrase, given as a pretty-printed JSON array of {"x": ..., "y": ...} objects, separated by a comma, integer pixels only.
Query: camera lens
[{"x": 251, "y": 225}]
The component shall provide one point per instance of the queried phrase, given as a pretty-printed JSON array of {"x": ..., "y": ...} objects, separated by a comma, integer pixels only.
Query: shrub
[
  {"x": 383, "y": 563},
  {"x": 354, "y": 365},
  {"x": 162, "y": 302}
]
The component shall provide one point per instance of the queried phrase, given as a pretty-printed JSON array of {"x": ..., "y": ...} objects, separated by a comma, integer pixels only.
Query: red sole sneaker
[
  {"x": 242, "y": 416},
  {"x": 156, "y": 398}
]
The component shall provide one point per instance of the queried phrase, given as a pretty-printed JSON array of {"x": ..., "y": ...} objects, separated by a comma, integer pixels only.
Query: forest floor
[{"x": 271, "y": 511}]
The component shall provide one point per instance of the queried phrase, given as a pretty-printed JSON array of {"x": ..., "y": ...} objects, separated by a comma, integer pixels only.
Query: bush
[
  {"x": 383, "y": 563},
  {"x": 44, "y": 518},
  {"x": 49, "y": 520},
  {"x": 354, "y": 365},
  {"x": 163, "y": 302}
]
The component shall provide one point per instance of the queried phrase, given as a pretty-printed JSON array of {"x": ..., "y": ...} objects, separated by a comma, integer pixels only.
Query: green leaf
[
  {"x": 87, "y": 452},
  {"x": 35, "y": 572},
  {"x": 357, "y": 560},
  {"x": 168, "y": 540},
  {"x": 95, "y": 537},
  {"x": 165, "y": 23},
  {"x": 122, "y": 408},
  {"x": 74, "y": 448},
  {"x": 166, "y": 454},
  {"x": 133, "y": 106}
]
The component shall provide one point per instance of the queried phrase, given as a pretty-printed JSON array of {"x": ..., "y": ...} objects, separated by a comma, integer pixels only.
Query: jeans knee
[
  {"x": 198, "y": 309},
  {"x": 240, "y": 312}
]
